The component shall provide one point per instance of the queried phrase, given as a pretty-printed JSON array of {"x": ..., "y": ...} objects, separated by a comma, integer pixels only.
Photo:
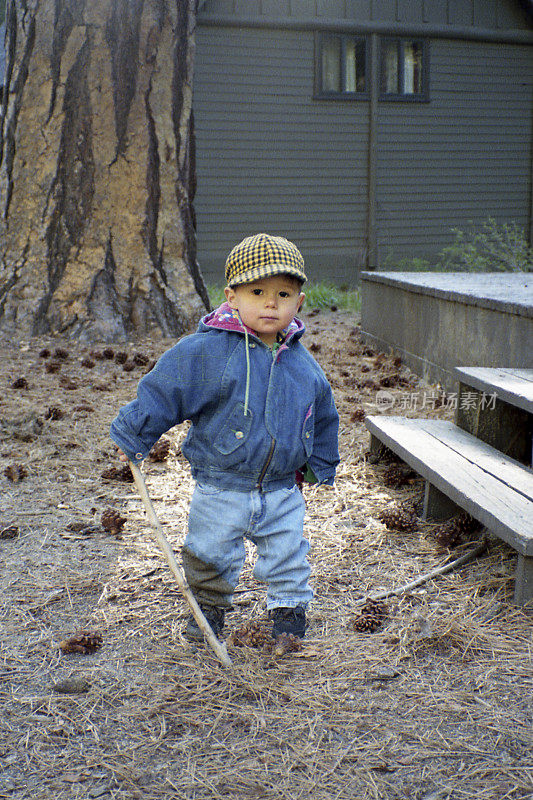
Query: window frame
[
  {"x": 401, "y": 96},
  {"x": 327, "y": 94}
]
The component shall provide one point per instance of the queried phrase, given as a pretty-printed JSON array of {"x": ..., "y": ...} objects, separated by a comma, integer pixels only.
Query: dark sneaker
[
  {"x": 215, "y": 617},
  {"x": 288, "y": 620}
]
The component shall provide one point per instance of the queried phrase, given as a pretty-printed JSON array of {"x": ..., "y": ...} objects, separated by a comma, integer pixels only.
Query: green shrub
[{"x": 492, "y": 248}]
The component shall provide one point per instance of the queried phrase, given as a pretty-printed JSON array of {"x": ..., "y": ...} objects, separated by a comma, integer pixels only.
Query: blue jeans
[{"x": 219, "y": 519}]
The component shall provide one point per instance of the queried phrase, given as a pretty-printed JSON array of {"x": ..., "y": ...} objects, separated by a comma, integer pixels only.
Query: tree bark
[{"x": 97, "y": 170}]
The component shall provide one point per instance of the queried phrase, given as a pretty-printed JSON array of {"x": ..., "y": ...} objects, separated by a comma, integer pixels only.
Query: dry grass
[{"x": 434, "y": 704}]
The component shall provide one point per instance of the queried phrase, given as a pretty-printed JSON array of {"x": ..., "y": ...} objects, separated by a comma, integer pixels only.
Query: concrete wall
[{"x": 439, "y": 322}]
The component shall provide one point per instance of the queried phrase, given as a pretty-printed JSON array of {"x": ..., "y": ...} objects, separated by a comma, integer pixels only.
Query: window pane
[
  {"x": 390, "y": 68},
  {"x": 412, "y": 68},
  {"x": 331, "y": 64},
  {"x": 355, "y": 55}
]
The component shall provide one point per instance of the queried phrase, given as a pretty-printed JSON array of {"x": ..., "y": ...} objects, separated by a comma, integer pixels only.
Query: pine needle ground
[{"x": 435, "y": 703}]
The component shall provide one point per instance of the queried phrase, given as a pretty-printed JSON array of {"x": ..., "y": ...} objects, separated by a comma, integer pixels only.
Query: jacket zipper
[{"x": 259, "y": 484}]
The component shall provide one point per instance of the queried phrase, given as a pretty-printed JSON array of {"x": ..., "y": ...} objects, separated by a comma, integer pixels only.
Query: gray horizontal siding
[
  {"x": 270, "y": 157},
  {"x": 463, "y": 157}
]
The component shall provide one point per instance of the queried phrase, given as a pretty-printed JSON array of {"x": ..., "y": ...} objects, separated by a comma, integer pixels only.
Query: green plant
[
  {"x": 216, "y": 295},
  {"x": 495, "y": 247},
  {"x": 490, "y": 247},
  {"x": 325, "y": 295}
]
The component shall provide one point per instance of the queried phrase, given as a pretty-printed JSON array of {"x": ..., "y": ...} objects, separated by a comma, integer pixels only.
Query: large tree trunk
[{"x": 97, "y": 170}]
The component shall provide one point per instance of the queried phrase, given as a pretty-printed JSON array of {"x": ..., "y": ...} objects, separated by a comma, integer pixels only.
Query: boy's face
[{"x": 267, "y": 305}]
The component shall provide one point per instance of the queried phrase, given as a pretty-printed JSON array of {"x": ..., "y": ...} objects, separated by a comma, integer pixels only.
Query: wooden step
[
  {"x": 493, "y": 488},
  {"x": 512, "y": 386}
]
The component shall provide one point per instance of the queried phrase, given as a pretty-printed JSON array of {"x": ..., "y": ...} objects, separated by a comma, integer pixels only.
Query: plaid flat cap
[{"x": 262, "y": 256}]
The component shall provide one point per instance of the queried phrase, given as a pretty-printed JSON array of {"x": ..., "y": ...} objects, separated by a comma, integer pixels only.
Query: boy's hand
[{"x": 122, "y": 456}]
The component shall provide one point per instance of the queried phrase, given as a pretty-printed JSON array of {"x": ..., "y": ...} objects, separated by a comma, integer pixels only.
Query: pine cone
[
  {"x": 97, "y": 355},
  {"x": 389, "y": 381},
  {"x": 120, "y": 357},
  {"x": 160, "y": 450},
  {"x": 52, "y": 367},
  {"x": 44, "y": 353},
  {"x": 447, "y": 535},
  {"x": 11, "y": 532},
  {"x": 88, "y": 363},
  {"x": 83, "y": 641},
  {"x": 61, "y": 353},
  {"x": 413, "y": 505},
  {"x": 15, "y": 472},
  {"x": 467, "y": 524},
  {"x": 371, "y": 616},
  {"x": 451, "y": 533},
  {"x": 251, "y": 634},
  {"x": 20, "y": 383},
  {"x": 112, "y": 521},
  {"x": 397, "y": 519},
  {"x": 140, "y": 359},
  {"x": 119, "y": 474},
  {"x": 53, "y": 413},
  {"x": 287, "y": 643},
  {"x": 128, "y": 366},
  {"x": 396, "y": 476},
  {"x": 358, "y": 415},
  {"x": 108, "y": 353},
  {"x": 367, "y": 624}
]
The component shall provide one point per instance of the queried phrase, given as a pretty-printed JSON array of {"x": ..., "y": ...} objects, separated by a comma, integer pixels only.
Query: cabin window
[
  {"x": 341, "y": 65},
  {"x": 404, "y": 69}
]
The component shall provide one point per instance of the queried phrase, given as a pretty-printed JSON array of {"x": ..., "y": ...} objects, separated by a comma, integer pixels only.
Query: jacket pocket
[
  {"x": 234, "y": 431},
  {"x": 308, "y": 430}
]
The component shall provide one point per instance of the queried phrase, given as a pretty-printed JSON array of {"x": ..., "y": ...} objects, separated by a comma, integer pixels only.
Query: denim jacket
[{"x": 256, "y": 419}]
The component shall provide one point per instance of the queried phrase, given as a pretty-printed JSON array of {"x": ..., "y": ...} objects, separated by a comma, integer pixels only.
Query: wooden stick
[
  {"x": 218, "y": 647},
  {"x": 449, "y": 567}
]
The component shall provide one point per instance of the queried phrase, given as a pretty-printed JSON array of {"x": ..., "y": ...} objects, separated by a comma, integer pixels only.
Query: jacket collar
[{"x": 225, "y": 318}]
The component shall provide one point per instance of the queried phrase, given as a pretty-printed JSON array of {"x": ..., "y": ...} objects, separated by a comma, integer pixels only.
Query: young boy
[{"x": 261, "y": 410}]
